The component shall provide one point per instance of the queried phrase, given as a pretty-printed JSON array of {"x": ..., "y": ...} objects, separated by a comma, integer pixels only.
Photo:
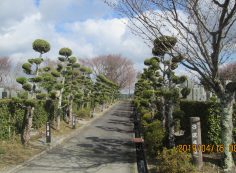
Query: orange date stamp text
[{"x": 205, "y": 148}]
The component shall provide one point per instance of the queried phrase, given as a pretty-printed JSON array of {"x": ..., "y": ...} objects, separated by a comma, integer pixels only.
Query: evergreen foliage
[
  {"x": 31, "y": 86},
  {"x": 157, "y": 88}
]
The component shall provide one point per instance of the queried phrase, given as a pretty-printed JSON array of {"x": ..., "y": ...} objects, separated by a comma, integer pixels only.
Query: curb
[
  {"x": 134, "y": 168},
  {"x": 58, "y": 142}
]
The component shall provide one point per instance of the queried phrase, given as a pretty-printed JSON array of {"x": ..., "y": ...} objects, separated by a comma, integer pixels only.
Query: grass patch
[
  {"x": 208, "y": 167},
  {"x": 2, "y": 151},
  {"x": 15, "y": 153}
]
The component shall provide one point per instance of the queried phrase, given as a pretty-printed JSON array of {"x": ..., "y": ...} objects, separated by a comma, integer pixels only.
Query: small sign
[
  {"x": 196, "y": 141},
  {"x": 48, "y": 132}
]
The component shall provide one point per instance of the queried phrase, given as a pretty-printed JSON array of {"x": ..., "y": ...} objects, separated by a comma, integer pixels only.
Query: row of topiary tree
[
  {"x": 157, "y": 95},
  {"x": 157, "y": 89},
  {"x": 159, "y": 99},
  {"x": 66, "y": 85}
]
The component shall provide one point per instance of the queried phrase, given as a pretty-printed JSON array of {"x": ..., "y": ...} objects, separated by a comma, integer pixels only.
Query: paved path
[{"x": 102, "y": 147}]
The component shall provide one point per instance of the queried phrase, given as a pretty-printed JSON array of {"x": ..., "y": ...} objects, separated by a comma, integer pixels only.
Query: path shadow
[
  {"x": 115, "y": 129},
  {"x": 92, "y": 152},
  {"x": 122, "y": 122}
]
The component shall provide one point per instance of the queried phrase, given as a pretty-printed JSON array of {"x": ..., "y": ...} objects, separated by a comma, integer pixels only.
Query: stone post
[{"x": 196, "y": 141}]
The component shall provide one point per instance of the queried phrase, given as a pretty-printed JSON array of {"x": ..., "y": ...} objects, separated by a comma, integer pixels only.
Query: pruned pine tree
[
  {"x": 105, "y": 91},
  {"x": 72, "y": 85},
  {"x": 160, "y": 73},
  {"x": 30, "y": 84},
  {"x": 143, "y": 93},
  {"x": 85, "y": 87},
  {"x": 206, "y": 38},
  {"x": 62, "y": 68},
  {"x": 51, "y": 84}
]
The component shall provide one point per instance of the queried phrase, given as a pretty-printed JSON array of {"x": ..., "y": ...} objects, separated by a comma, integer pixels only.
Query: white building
[
  {"x": 5, "y": 93},
  {"x": 197, "y": 91}
]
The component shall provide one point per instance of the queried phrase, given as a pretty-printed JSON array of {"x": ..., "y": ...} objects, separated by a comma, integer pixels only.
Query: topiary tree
[
  {"x": 41, "y": 46},
  {"x": 30, "y": 85},
  {"x": 154, "y": 135},
  {"x": 86, "y": 86},
  {"x": 72, "y": 85},
  {"x": 163, "y": 81},
  {"x": 51, "y": 84},
  {"x": 62, "y": 69},
  {"x": 105, "y": 91},
  {"x": 185, "y": 92}
]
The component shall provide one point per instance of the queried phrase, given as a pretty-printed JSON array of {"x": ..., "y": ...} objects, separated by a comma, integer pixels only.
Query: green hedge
[
  {"x": 154, "y": 137},
  {"x": 12, "y": 114},
  {"x": 209, "y": 114},
  {"x": 11, "y": 118}
]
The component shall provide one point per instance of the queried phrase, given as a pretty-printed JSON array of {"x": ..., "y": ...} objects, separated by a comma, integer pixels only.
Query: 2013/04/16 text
[{"x": 205, "y": 148}]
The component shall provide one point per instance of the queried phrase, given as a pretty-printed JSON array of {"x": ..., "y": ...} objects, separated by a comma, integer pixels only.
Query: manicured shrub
[
  {"x": 83, "y": 113},
  {"x": 40, "y": 115},
  {"x": 154, "y": 136},
  {"x": 147, "y": 117},
  {"x": 209, "y": 114},
  {"x": 11, "y": 118},
  {"x": 2, "y": 151},
  {"x": 213, "y": 123},
  {"x": 185, "y": 92},
  {"x": 12, "y": 114},
  {"x": 172, "y": 161},
  {"x": 143, "y": 110}
]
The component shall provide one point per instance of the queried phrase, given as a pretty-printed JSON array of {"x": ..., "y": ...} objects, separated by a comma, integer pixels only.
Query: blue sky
[
  {"x": 89, "y": 28},
  {"x": 37, "y": 2}
]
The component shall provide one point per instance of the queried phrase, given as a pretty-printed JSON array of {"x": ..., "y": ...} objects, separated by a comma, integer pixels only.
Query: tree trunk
[
  {"x": 10, "y": 93},
  {"x": 70, "y": 111},
  {"x": 163, "y": 115},
  {"x": 208, "y": 95},
  {"x": 171, "y": 127},
  {"x": 227, "y": 129},
  {"x": 58, "y": 118},
  {"x": 58, "y": 121},
  {"x": 25, "y": 137},
  {"x": 65, "y": 114},
  {"x": 94, "y": 110}
]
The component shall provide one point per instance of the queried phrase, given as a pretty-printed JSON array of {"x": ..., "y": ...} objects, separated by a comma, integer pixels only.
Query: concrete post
[
  {"x": 74, "y": 122},
  {"x": 196, "y": 141}
]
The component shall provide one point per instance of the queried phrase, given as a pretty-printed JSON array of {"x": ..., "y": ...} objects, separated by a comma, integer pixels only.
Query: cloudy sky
[{"x": 89, "y": 27}]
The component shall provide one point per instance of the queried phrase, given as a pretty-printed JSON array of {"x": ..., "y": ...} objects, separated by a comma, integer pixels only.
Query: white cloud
[
  {"x": 16, "y": 37},
  {"x": 71, "y": 10},
  {"x": 12, "y": 11},
  {"x": 89, "y": 37},
  {"x": 110, "y": 37}
]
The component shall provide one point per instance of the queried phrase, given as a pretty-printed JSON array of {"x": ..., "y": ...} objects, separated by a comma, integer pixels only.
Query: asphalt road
[{"x": 102, "y": 147}]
